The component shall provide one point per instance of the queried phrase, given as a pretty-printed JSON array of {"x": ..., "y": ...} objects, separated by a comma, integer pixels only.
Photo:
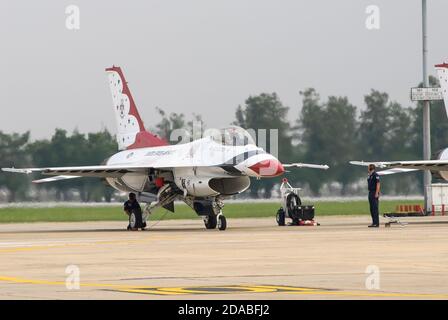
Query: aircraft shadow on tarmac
[{"x": 199, "y": 229}]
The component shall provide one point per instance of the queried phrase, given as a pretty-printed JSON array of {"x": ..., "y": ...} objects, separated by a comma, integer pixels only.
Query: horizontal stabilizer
[
  {"x": 395, "y": 170},
  {"x": 56, "y": 178}
]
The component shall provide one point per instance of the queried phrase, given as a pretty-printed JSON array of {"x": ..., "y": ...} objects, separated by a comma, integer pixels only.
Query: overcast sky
[{"x": 203, "y": 56}]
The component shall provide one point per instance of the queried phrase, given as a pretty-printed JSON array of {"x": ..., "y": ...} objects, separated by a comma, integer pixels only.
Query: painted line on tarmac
[
  {"x": 106, "y": 286},
  {"x": 227, "y": 289},
  {"x": 191, "y": 290},
  {"x": 32, "y": 247},
  {"x": 61, "y": 283},
  {"x": 378, "y": 294},
  {"x": 239, "y": 289}
]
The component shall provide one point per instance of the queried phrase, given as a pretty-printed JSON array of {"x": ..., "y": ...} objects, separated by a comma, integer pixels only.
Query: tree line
[
  {"x": 322, "y": 131},
  {"x": 62, "y": 149}
]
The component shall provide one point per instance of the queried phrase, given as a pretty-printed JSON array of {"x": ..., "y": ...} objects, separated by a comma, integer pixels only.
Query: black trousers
[{"x": 374, "y": 203}]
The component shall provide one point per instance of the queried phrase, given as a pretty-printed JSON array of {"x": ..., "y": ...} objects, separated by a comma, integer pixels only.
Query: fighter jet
[
  {"x": 201, "y": 173},
  {"x": 439, "y": 165}
]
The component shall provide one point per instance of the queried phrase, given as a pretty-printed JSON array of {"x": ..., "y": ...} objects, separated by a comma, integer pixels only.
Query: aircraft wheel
[
  {"x": 132, "y": 221},
  {"x": 135, "y": 221},
  {"x": 281, "y": 217},
  {"x": 210, "y": 221},
  {"x": 222, "y": 223}
]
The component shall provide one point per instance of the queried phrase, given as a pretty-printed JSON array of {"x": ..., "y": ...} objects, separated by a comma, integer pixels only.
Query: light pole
[{"x": 426, "y": 113}]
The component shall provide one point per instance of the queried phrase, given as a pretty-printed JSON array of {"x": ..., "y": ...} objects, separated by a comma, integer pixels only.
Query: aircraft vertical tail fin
[
  {"x": 131, "y": 132},
  {"x": 442, "y": 73}
]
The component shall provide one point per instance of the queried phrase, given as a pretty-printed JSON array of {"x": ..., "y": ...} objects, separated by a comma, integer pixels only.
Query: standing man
[
  {"x": 373, "y": 182},
  {"x": 134, "y": 211}
]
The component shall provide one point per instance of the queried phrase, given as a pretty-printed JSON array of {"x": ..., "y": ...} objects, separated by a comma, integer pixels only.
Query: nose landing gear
[
  {"x": 214, "y": 217},
  {"x": 210, "y": 209},
  {"x": 212, "y": 221}
]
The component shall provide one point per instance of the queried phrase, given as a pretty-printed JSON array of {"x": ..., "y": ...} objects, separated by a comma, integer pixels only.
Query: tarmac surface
[{"x": 252, "y": 259}]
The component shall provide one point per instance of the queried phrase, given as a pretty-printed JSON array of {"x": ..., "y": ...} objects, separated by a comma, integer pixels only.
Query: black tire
[
  {"x": 132, "y": 221},
  {"x": 211, "y": 221},
  {"x": 222, "y": 223},
  {"x": 281, "y": 217},
  {"x": 135, "y": 219},
  {"x": 292, "y": 201}
]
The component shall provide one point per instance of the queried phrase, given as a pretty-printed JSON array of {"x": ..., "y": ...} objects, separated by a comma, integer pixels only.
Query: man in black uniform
[
  {"x": 132, "y": 206},
  {"x": 373, "y": 182}
]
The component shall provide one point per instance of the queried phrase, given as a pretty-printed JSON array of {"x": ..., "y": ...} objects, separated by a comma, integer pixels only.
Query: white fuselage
[{"x": 197, "y": 165}]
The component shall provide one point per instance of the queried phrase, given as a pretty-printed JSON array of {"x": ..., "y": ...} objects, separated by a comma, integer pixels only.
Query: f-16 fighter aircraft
[
  {"x": 440, "y": 165},
  {"x": 201, "y": 173}
]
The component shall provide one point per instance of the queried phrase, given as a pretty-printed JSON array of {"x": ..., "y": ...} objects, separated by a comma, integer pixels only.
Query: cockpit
[{"x": 231, "y": 136}]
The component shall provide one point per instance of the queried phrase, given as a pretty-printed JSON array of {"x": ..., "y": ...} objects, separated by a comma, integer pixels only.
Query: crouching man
[{"x": 134, "y": 211}]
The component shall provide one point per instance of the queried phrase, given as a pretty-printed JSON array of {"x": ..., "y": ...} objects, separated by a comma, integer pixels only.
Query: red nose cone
[{"x": 268, "y": 168}]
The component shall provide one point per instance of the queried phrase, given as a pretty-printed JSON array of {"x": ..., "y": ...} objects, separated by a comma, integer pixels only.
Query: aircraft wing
[
  {"x": 366, "y": 164},
  {"x": 101, "y": 171},
  {"x": 407, "y": 166},
  {"x": 305, "y": 165}
]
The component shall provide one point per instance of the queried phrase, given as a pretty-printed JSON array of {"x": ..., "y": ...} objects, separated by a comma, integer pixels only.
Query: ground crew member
[
  {"x": 132, "y": 206},
  {"x": 373, "y": 182}
]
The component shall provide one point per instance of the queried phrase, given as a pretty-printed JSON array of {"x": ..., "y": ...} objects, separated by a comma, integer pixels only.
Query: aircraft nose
[{"x": 268, "y": 168}]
